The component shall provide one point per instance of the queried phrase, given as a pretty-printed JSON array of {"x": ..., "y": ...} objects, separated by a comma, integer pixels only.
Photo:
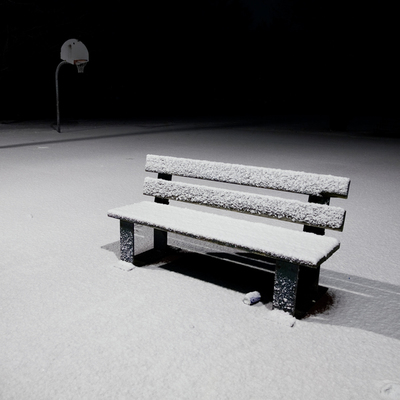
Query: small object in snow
[
  {"x": 390, "y": 391},
  {"x": 252, "y": 298}
]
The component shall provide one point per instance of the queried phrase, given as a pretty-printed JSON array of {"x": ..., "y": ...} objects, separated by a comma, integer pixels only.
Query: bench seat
[{"x": 301, "y": 248}]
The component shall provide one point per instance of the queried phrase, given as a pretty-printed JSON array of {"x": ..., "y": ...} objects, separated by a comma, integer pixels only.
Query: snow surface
[
  {"x": 277, "y": 242},
  {"x": 74, "y": 327},
  {"x": 275, "y": 207},
  {"x": 286, "y": 180}
]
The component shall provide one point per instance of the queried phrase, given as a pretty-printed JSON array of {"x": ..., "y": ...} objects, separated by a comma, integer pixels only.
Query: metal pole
[{"x": 57, "y": 100}]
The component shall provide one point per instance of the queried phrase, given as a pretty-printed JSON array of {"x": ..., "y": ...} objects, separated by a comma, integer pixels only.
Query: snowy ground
[{"x": 75, "y": 327}]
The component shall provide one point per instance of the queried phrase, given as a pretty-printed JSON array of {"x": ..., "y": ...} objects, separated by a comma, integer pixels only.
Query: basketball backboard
[{"x": 74, "y": 52}]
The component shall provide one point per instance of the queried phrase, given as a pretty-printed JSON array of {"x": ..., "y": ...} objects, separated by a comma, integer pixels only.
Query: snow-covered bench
[{"x": 298, "y": 254}]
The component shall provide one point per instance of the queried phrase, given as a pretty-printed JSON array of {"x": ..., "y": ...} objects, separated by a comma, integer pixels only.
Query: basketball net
[{"x": 80, "y": 64}]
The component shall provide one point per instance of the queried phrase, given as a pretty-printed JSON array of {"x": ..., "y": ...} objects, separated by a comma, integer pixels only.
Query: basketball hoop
[
  {"x": 80, "y": 64},
  {"x": 72, "y": 52}
]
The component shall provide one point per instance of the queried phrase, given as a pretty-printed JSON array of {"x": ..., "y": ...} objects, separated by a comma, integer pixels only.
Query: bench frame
[{"x": 296, "y": 286}]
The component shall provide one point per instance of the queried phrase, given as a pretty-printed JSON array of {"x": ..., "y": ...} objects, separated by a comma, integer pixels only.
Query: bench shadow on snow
[{"x": 345, "y": 300}]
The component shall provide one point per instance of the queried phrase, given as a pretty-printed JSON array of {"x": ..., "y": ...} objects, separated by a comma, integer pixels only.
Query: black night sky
[{"x": 200, "y": 57}]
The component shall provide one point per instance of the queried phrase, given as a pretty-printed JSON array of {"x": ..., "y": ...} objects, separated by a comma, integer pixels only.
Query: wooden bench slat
[
  {"x": 268, "y": 178},
  {"x": 305, "y": 249},
  {"x": 312, "y": 214}
]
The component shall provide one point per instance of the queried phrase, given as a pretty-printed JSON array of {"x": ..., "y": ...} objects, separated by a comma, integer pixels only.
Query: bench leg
[
  {"x": 127, "y": 241},
  {"x": 127, "y": 246},
  {"x": 307, "y": 292},
  {"x": 160, "y": 241},
  {"x": 285, "y": 287},
  {"x": 159, "y": 250}
]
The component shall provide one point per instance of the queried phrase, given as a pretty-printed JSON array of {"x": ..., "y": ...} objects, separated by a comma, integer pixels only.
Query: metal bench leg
[
  {"x": 127, "y": 241},
  {"x": 307, "y": 292},
  {"x": 160, "y": 241},
  {"x": 127, "y": 246},
  {"x": 285, "y": 287}
]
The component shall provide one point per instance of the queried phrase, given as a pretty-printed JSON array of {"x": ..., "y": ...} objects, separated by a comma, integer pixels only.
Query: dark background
[{"x": 201, "y": 57}]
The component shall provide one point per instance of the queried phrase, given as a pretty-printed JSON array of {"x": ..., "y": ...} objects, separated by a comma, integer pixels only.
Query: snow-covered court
[{"x": 74, "y": 326}]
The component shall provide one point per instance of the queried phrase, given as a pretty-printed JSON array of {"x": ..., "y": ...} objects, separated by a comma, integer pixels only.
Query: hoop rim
[
  {"x": 80, "y": 64},
  {"x": 80, "y": 61}
]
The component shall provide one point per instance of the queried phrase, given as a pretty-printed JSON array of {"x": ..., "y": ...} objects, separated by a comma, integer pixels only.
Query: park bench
[{"x": 298, "y": 254}]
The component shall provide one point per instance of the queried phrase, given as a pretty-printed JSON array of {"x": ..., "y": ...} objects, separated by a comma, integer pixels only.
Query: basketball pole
[{"x": 57, "y": 95}]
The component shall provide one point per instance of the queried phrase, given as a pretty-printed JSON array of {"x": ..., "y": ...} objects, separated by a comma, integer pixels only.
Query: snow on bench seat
[{"x": 302, "y": 248}]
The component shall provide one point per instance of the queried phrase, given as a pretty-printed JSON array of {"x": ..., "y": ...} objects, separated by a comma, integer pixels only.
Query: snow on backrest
[
  {"x": 311, "y": 214},
  {"x": 268, "y": 178}
]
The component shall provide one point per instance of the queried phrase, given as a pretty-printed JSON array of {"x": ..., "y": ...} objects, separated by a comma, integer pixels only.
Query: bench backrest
[{"x": 316, "y": 214}]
